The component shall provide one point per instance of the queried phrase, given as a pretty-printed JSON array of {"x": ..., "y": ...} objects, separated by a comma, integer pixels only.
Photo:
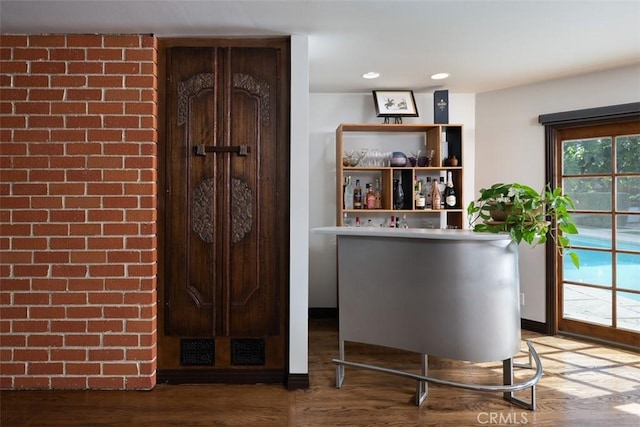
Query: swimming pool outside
[{"x": 596, "y": 268}]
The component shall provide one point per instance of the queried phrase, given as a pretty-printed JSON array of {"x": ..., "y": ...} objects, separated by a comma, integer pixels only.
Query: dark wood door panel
[
  {"x": 225, "y": 275},
  {"x": 253, "y": 285},
  {"x": 191, "y": 105}
]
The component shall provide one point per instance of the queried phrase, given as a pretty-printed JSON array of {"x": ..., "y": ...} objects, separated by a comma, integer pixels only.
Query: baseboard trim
[
  {"x": 221, "y": 376},
  {"x": 297, "y": 381},
  {"x": 533, "y": 326},
  {"x": 323, "y": 313}
]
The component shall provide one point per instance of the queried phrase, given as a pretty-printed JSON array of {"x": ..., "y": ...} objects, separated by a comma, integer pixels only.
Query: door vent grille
[
  {"x": 197, "y": 351},
  {"x": 247, "y": 351}
]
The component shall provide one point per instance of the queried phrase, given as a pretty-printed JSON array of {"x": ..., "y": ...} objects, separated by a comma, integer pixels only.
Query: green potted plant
[{"x": 526, "y": 214}]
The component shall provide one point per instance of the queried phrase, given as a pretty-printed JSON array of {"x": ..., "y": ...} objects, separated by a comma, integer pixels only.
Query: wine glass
[
  {"x": 363, "y": 157},
  {"x": 387, "y": 158},
  {"x": 425, "y": 160},
  {"x": 376, "y": 157},
  {"x": 415, "y": 156}
]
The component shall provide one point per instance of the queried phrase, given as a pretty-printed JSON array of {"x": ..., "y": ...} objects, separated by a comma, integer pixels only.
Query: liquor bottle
[
  {"x": 450, "y": 199},
  {"x": 365, "y": 194},
  {"x": 357, "y": 221},
  {"x": 427, "y": 193},
  {"x": 344, "y": 190},
  {"x": 436, "y": 198},
  {"x": 404, "y": 223},
  {"x": 398, "y": 195},
  {"x": 378, "y": 195},
  {"x": 370, "y": 223},
  {"x": 348, "y": 194},
  {"x": 441, "y": 187},
  {"x": 420, "y": 197},
  {"x": 444, "y": 147},
  {"x": 346, "y": 222},
  {"x": 357, "y": 196},
  {"x": 397, "y": 225},
  {"x": 371, "y": 199},
  {"x": 392, "y": 224}
]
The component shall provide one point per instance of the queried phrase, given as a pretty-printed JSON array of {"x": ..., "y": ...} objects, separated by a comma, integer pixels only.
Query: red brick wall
[{"x": 78, "y": 195}]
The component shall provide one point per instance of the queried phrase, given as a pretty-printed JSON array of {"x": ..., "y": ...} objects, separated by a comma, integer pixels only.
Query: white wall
[
  {"x": 327, "y": 111},
  {"x": 510, "y": 145}
]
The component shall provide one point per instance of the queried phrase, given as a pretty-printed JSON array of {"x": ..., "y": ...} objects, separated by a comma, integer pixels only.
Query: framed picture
[{"x": 395, "y": 103}]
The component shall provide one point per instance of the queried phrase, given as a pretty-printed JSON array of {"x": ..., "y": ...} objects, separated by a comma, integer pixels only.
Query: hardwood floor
[{"x": 584, "y": 384}]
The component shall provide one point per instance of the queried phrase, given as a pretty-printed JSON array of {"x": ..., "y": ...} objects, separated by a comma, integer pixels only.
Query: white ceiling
[{"x": 484, "y": 45}]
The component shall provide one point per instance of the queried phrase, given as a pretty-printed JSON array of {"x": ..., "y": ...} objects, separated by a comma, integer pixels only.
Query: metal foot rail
[{"x": 508, "y": 388}]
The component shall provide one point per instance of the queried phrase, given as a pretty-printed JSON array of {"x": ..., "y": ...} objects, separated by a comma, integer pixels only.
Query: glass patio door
[{"x": 600, "y": 169}]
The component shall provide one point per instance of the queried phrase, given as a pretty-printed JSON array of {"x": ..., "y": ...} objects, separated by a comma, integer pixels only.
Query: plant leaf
[
  {"x": 569, "y": 228},
  {"x": 575, "y": 259}
]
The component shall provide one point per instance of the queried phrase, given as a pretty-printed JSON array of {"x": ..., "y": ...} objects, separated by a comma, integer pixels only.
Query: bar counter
[{"x": 446, "y": 293}]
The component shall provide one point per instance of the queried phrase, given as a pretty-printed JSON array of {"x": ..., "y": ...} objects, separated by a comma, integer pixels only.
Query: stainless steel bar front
[
  {"x": 445, "y": 293},
  {"x": 456, "y": 298}
]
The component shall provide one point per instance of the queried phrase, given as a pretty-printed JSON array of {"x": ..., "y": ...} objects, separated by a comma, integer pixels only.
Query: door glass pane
[
  {"x": 586, "y": 156},
  {"x": 587, "y": 304},
  {"x": 628, "y": 193},
  {"x": 628, "y": 311},
  {"x": 594, "y": 231},
  {"x": 628, "y": 233},
  {"x": 592, "y": 194},
  {"x": 628, "y": 271},
  {"x": 628, "y": 154},
  {"x": 595, "y": 268}
]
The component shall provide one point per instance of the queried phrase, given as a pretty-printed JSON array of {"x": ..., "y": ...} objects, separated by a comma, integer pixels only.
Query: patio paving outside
[{"x": 595, "y": 306}]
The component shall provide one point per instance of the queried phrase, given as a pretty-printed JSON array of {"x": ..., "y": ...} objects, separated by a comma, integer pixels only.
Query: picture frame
[{"x": 395, "y": 103}]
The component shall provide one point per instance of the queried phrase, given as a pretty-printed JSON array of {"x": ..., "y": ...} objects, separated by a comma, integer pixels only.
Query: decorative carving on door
[
  {"x": 256, "y": 88},
  {"x": 241, "y": 209},
  {"x": 188, "y": 88},
  {"x": 202, "y": 211}
]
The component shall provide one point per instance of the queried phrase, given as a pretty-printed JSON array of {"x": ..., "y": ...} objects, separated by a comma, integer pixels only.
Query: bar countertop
[{"x": 412, "y": 233}]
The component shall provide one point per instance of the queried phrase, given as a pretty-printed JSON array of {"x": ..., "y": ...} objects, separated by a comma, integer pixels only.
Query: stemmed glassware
[
  {"x": 368, "y": 158},
  {"x": 386, "y": 158},
  {"x": 375, "y": 157},
  {"x": 425, "y": 158},
  {"x": 364, "y": 157},
  {"x": 413, "y": 159},
  {"x": 353, "y": 158}
]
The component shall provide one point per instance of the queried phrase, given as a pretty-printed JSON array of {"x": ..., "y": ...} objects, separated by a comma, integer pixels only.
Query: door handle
[{"x": 202, "y": 150}]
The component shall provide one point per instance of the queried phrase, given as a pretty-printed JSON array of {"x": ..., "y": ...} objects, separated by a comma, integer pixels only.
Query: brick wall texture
[{"x": 78, "y": 196}]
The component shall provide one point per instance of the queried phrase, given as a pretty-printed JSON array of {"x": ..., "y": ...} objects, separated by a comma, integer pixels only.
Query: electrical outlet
[{"x": 522, "y": 298}]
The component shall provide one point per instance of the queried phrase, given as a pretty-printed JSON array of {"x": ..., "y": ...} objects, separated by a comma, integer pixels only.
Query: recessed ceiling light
[
  {"x": 371, "y": 75},
  {"x": 439, "y": 76}
]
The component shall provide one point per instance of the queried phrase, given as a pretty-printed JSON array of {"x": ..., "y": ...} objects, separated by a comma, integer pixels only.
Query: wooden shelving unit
[{"x": 404, "y": 138}]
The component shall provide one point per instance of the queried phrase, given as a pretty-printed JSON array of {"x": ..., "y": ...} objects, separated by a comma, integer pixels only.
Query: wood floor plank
[{"x": 584, "y": 384}]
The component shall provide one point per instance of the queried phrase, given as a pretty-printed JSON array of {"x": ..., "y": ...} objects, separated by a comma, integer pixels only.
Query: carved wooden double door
[{"x": 223, "y": 285}]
